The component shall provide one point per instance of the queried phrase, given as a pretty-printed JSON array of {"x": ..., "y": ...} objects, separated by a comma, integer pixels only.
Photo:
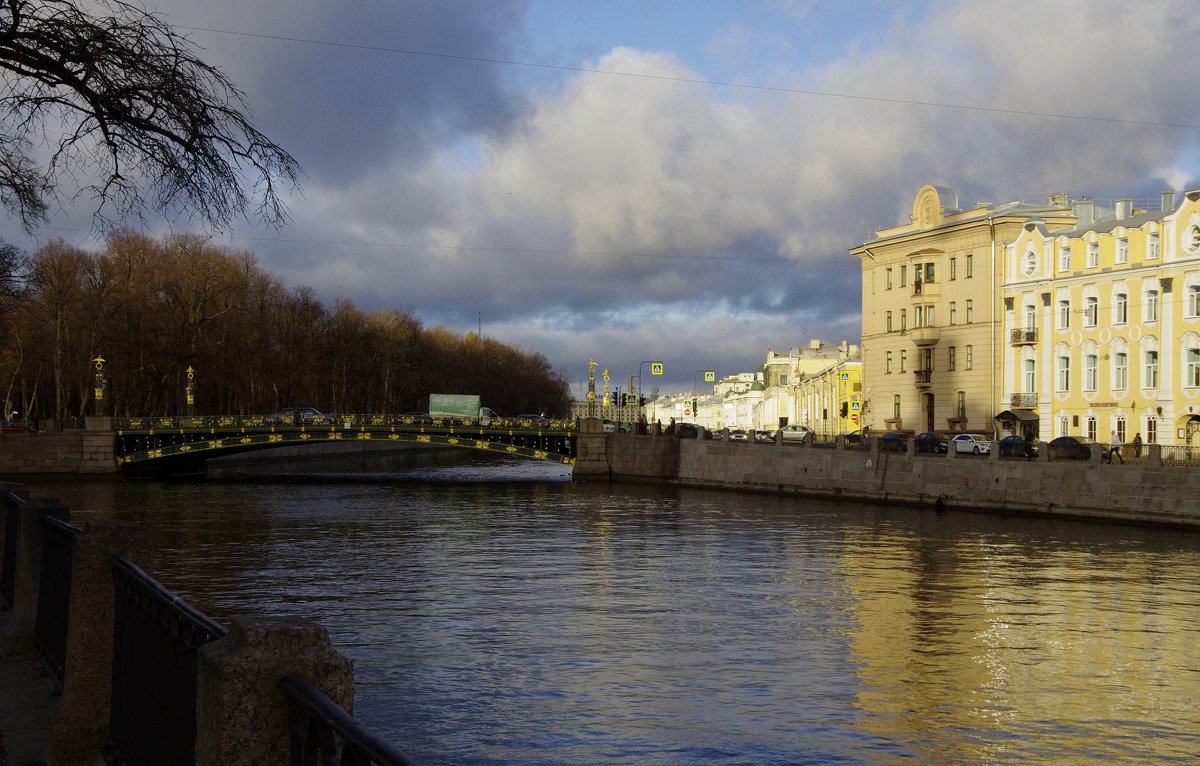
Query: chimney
[
  {"x": 1084, "y": 211},
  {"x": 1168, "y": 200},
  {"x": 1124, "y": 208}
]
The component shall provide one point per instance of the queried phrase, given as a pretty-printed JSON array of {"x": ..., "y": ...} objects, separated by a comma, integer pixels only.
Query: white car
[
  {"x": 794, "y": 433},
  {"x": 972, "y": 443}
]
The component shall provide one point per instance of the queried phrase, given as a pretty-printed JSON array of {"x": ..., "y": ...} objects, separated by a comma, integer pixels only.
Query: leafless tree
[{"x": 119, "y": 99}]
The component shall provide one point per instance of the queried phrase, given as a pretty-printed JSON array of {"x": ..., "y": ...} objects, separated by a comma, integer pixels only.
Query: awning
[{"x": 1025, "y": 416}]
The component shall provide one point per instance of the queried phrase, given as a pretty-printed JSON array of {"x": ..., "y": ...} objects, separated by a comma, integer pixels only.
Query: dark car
[
  {"x": 854, "y": 437},
  {"x": 413, "y": 417},
  {"x": 1018, "y": 446},
  {"x": 10, "y": 427},
  {"x": 890, "y": 441},
  {"x": 1071, "y": 448},
  {"x": 296, "y": 416},
  {"x": 931, "y": 442}
]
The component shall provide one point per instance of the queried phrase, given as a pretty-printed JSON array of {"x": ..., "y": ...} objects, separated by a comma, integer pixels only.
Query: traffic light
[
  {"x": 845, "y": 409},
  {"x": 617, "y": 400}
]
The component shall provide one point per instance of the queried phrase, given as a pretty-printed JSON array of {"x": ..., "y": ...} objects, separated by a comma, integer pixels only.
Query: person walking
[
  {"x": 1137, "y": 445},
  {"x": 1114, "y": 452}
]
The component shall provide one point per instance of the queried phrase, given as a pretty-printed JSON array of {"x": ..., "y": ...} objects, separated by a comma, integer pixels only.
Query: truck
[{"x": 458, "y": 406}]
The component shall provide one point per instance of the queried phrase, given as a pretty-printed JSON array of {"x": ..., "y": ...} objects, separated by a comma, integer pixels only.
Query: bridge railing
[
  {"x": 54, "y": 597},
  {"x": 333, "y": 421}
]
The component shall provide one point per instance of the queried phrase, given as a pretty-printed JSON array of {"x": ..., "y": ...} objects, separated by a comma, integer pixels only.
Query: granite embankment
[{"x": 1145, "y": 492}]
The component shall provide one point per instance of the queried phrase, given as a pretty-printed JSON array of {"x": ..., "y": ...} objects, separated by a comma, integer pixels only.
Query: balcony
[
  {"x": 1026, "y": 337},
  {"x": 1023, "y": 400},
  {"x": 924, "y": 378},
  {"x": 924, "y": 336},
  {"x": 928, "y": 290}
]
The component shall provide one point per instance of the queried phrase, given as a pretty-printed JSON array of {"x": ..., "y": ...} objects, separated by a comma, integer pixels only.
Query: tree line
[{"x": 152, "y": 308}]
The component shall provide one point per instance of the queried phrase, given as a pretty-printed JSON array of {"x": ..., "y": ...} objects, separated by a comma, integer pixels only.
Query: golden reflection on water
[{"x": 991, "y": 653}]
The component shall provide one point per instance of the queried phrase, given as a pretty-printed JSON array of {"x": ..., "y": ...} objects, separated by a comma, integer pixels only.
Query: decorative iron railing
[
  {"x": 8, "y": 568},
  {"x": 1023, "y": 400},
  {"x": 54, "y": 598},
  {"x": 1172, "y": 455},
  {"x": 327, "y": 422},
  {"x": 923, "y": 377},
  {"x": 1020, "y": 336},
  {"x": 321, "y": 732},
  {"x": 156, "y": 641}
]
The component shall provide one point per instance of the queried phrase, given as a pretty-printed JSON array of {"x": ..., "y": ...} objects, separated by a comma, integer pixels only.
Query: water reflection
[{"x": 518, "y": 619}]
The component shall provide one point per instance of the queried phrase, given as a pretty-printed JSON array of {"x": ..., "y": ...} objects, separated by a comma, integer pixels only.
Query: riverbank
[{"x": 1147, "y": 492}]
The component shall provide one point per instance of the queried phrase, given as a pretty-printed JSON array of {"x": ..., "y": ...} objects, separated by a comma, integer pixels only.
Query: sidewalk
[{"x": 24, "y": 702}]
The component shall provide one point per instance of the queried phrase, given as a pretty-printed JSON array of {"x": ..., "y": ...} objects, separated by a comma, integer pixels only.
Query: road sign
[
  {"x": 656, "y": 368},
  {"x": 710, "y": 376},
  {"x": 854, "y": 416}
]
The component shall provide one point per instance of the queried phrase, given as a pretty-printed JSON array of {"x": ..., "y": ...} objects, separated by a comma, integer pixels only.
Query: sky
[{"x": 672, "y": 180}]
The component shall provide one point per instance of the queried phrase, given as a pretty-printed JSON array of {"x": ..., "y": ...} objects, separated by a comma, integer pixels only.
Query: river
[{"x": 499, "y": 614}]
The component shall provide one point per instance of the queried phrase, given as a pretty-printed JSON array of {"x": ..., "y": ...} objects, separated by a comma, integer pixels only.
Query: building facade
[
  {"x": 1045, "y": 320},
  {"x": 932, "y": 344}
]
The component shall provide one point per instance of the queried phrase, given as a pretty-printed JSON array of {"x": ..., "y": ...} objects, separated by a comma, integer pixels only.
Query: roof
[{"x": 1025, "y": 416}]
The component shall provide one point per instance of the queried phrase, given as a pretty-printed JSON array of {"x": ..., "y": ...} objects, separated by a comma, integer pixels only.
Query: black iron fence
[
  {"x": 156, "y": 638},
  {"x": 322, "y": 733},
  {"x": 54, "y": 598},
  {"x": 8, "y": 568}
]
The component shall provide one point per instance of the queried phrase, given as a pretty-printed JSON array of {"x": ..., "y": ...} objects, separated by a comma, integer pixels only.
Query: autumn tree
[{"x": 107, "y": 91}]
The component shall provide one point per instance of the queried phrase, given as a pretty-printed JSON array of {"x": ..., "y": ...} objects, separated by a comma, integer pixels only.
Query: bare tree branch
[{"x": 123, "y": 102}]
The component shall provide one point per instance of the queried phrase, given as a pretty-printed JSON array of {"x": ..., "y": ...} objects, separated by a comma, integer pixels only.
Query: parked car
[
  {"x": 738, "y": 435},
  {"x": 1018, "y": 446},
  {"x": 611, "y": 426},
  {"x": 793, "y": 433},
  {"x": 9, "y": 427},
  {"x": 854, "y": 437},
  {"x": 536, "y": 420},
  {"x": 1071, "y": 448},
  {"x": 890, "y": 441},
  {"x": 931, "y": 442},
  {"x": 973, "y": 444},
  {"x": 763, "y": 435},
  {"x": 296, "y": 416}
]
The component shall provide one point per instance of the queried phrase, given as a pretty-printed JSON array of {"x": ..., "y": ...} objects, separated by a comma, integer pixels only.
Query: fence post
[
  {"x": 78, "y": 720},
  {"x": 17, "y": 640},
  {"x": 241, "y": 713}
]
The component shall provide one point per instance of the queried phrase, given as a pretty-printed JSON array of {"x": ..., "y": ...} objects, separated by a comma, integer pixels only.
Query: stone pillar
[
  {"x": 78, "y": 720},
  {"x": 591, "y": 449},
  {"x": 241, "y": 714},
  {"x": 17, "y": 640},
  {"x": 1153, "y": 454}
]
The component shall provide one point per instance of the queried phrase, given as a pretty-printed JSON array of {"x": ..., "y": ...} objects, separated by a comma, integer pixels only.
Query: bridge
[{"x": 154, "y": 441}]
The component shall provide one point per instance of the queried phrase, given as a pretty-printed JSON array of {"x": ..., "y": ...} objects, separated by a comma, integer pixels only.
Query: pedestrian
[
  {"x": 1137, "y": 445},
  {"x": 1114, "y": 452}
]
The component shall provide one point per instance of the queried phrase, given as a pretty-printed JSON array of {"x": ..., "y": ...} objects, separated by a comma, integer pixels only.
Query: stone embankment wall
[
  {"x": 1146, "y": 492},
  {"x": 59, "y": 452}
]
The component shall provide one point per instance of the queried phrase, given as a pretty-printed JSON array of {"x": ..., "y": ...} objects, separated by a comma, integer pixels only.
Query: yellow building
[
  {"x": 1102, "y": 322},
  {"x": 932, "y": 342}
]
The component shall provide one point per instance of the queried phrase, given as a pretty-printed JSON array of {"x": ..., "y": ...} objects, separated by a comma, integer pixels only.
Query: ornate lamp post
[
  {"x": 191, "y": 391},
  {"x": 99, "y": 389},
  {"x": 591, "y": 392}
]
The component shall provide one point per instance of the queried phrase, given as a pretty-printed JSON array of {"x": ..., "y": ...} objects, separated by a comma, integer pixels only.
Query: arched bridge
[{"x": 145, "y": 440}]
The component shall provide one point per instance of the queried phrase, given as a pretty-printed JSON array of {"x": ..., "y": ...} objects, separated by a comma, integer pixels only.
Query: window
[
  {"x": 888, "y": 364},
  {"x": 1063, "y": 377},
  {"x": 970, "y": 312},
  {"x": 953, "y": 312},
  {"x": 1152, "y": 430},
  {"x": 889, "y": 321},
  {"x": 1093, "y": 255},
  {"x": 1122, "y": 250},
  {"x": 1090, "y": 427},
  {"x": 1151, "y": 306},
  {"x": 1030, "y": 317},
  {"x": 918, "y": 316},
  {"x": 1090, "y": 378},
  {"x": 903, "y": 361},
  {"x": 1064, "y": 259},
  {"x": 962, "y": 404},
  {"x": 903, "y": 320},
  {"x": 889, "y": 279},
  {"x": 929, "y": 320},
  {"x": 1193, "y": 301},
  {"x": 1064, "y": 314},
  {"x": 927, "y": 359},
  {"x": 896, "y": 407},
  {"x": 953, "y": 268},
  {"x": 1064, "y": 425},
  {"x": 1193, "y": 368},
  {"x": 1152, "y": 247},
  {"x": 969, "y": 355},
  {"x": 1120, "y": 371},
  {"x": 929, "y": 272},
  {"x": 903, "y": 276},
  {"x": 1151, "y": 373},
  {"x": 950, "y": 358},
  {"x": 1030, "y": 376},
  {"x": 1091, "y": 311},
  {"x": 1121, "y": 308},
  {"x": 970, "y": 266}
]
